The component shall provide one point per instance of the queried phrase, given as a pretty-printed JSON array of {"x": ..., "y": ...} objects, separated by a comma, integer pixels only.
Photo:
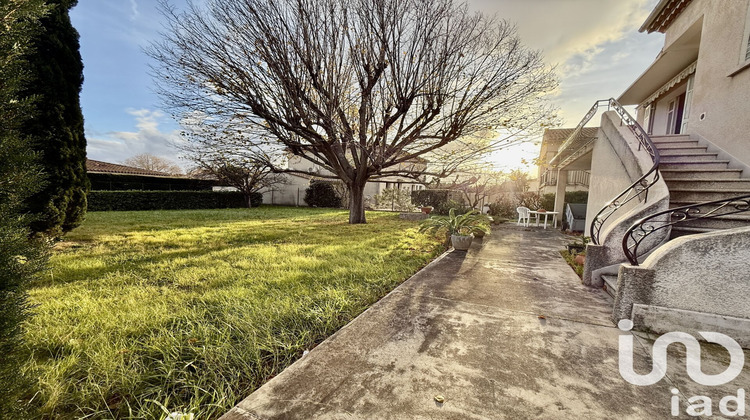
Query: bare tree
[
  {"x": 153, "y": 163},
  {"x": 244, "y": 172},
  {"x": 477, "y": 185},
  {"x": 359, "y": 87}
]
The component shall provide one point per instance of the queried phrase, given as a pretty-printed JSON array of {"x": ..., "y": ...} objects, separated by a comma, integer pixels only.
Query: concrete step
[
  {"x": 707, "y": 183},
  {"x": 696, "y": 195},
  {"x": 718, "y": 223},
  {"x": 671, "y": 147},
  {"x": 610, "y": 284},
  {"x": 681, "y": 150},
  {"x": 678, "y": 231},
  {"x": 670, "y": 138},
  {"x": 694, "y": 164},
  {"x": 688, "y": 157},
  {"x": 676, "y": 144},
  {"x": 701, "y": 174}
]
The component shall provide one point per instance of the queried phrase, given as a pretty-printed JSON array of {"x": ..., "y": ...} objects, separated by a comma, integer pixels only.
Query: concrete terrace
[{"x": 505, "y": 331}]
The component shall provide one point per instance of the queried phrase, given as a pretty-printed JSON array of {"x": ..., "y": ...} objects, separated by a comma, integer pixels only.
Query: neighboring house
[
  {"x": 292, "y": 191},
  {"x": 577, "y": 180},
  {"x": 105, "y": 176},
  {"x": 669, "y": 196}
]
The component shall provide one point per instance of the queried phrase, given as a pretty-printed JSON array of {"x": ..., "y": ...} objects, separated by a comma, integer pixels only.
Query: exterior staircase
[{"x": 694, "y": 175}]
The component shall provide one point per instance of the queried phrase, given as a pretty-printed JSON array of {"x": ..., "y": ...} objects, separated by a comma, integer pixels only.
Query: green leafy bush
[
  {"x": 548, "y": 200},
  {"x": 322, "y": 194},
  {"x": 167, "y": 200},
  {"x": 579, "y": 197},
  {"x": 256, "y": 199}
]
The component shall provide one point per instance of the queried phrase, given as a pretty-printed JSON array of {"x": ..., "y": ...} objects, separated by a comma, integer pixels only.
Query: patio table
[{"x": 546, "y": 214}]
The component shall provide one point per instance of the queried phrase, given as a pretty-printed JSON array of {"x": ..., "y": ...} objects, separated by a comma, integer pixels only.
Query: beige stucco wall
[
  {"x": 723, "y": 99},
  {"x": 608, "y": 177},
  {"x": 291, "y": 193}
]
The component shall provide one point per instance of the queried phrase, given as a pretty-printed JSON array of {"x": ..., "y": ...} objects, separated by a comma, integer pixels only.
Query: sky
[{"x": 594, "y": 45}]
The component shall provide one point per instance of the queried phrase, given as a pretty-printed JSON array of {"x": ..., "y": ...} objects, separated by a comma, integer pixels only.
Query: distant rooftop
[{"x": 96, "y": 166}]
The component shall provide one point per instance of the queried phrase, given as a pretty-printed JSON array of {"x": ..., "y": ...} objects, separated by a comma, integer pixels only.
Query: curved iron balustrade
[
  {"x": 576, "y": 136},
  {"x": 641, "y": 186},
  {"x": 641, "y": 229}
]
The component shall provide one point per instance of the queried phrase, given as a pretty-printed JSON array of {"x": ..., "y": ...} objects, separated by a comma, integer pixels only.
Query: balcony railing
[{"x": 575, "y": 178}]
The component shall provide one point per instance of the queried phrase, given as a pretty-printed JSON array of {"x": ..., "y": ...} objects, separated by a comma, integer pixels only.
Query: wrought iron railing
[
  {"x": 644, "y": 228},
  {"x": 577, "y": 141},
  {"x": 575, "y": 178},
  {"x": 639, "y": 188}
]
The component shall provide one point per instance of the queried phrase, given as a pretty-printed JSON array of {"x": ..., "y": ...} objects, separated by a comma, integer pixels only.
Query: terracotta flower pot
[
  {"x": 461, "y": 242},
  {"x": 426, "y": 210},
  {"x": 580, "y": 259}
]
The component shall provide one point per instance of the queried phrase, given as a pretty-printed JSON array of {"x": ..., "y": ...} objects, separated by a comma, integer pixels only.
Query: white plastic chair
[{"x": 523, "y": 215}]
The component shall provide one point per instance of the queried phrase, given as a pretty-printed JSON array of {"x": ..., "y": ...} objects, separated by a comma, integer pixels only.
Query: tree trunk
[{"x": 357, "y": 202}]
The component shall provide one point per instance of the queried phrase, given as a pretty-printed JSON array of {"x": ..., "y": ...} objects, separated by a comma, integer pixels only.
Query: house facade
[
  {"x": 698, "y": 84},
  {"x": 292, "y": 191},
  {"x": 669, "y": 197},
  {"x": 552, "y": 139}
]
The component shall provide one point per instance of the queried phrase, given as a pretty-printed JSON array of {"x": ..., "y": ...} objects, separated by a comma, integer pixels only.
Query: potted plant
[{"x": 460, "y": 228}]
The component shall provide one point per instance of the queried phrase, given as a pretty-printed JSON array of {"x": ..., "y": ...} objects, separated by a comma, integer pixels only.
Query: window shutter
[{"x": 747, "y": 53}]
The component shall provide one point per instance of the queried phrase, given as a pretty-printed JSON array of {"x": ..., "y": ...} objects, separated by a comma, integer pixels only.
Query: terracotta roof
[
  {"x": 665, "y": 12},
  {"x": 96, "y": 166},
  {"x": 559, "y": 135}
]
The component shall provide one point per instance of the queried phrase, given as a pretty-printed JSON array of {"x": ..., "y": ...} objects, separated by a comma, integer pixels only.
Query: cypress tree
[
  {"x": 56, "y": 78},
  {"x": 21, "y": 257}
]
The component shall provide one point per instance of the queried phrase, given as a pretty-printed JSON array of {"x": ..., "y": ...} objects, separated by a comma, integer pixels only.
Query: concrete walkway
[{"x": 505, "y": 331}]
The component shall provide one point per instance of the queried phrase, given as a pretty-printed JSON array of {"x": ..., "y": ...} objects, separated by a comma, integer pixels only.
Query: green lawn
[{"x": 190, "y": 311}]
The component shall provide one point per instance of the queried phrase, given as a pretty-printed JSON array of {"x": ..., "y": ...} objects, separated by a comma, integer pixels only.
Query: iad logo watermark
[{"x": 699, "y": 405}]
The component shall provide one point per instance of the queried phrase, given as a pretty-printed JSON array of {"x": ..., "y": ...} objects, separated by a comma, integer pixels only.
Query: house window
[
  {"x": 648, "y": 118},
  {"x": 745, "y": 52}
]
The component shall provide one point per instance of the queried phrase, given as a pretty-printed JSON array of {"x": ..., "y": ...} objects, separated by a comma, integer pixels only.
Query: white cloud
[
  {"x": 116, "y": 146},
  {"x": 594, "y": 44},
  {"x": 134, "y": 10}
]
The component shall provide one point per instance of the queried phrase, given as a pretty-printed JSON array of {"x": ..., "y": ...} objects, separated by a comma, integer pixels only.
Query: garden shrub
[
  {"x": 168, "y": 200},
  {"x": 548, "y": 200},
  {"x": 322, "y": 194},
  {"x": 530, "y": 200},
  {"x": 581, "y": 197},
  {"x": 256, "y": 199},
  {"x": 503, "y": 208}
]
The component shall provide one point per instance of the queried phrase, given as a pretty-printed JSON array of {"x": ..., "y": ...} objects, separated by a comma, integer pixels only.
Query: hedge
[
  {"x": 167, "y": 200},
  {"x": 322, "y": 194}
]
